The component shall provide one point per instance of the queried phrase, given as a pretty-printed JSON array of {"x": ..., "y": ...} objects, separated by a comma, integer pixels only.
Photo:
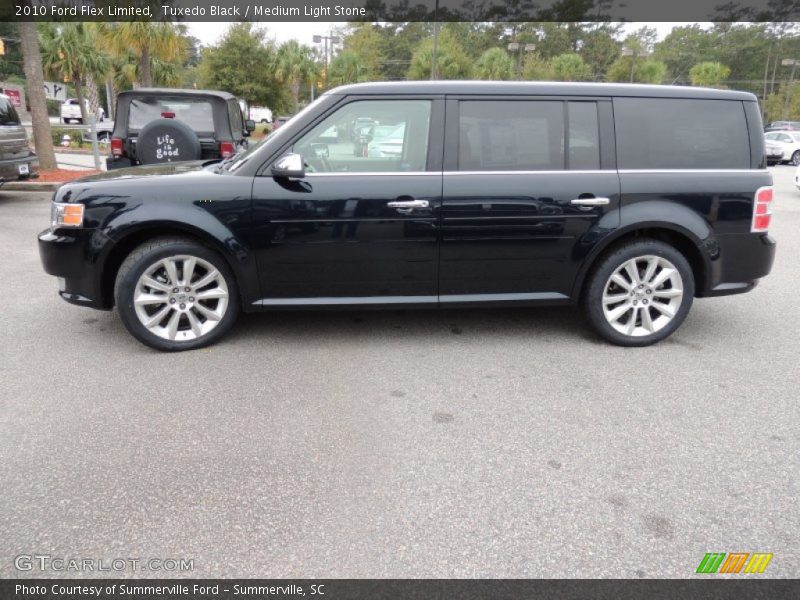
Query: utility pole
[
  {"x": 435, "y": 41},
  {"x": 324, "y": 39},
  {"x": 788, "y": 62}
]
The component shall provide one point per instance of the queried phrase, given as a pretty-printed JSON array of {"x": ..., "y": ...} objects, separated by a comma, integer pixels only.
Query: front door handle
[
  {"x": 406, "y": 206},
  {"x": 590, "y": 201}
]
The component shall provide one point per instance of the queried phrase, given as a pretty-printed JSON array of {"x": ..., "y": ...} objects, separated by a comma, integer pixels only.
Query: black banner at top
[{"x": 400, "y": 10}]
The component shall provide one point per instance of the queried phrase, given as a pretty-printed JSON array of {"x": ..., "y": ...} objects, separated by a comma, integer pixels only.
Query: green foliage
[
  {"x": 709, "y": 74},
  {"x": 452, "y": 62},
  {"x": 776, "y": 109},
  {"x": 536, "y": 68},
  {"x": 76, "y": 136},
  {"x": 645, "y": 70},
  {"x": 295, "y": 67},
  {"x": 243, "y": 63},
  {"x": 346, "y": 68},
  {"x": 494, "y": 64},
  {"x": 570, "y": 67}
]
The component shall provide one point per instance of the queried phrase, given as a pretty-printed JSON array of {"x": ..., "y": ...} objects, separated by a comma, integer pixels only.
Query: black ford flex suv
[{"x": 628, "y": 200}]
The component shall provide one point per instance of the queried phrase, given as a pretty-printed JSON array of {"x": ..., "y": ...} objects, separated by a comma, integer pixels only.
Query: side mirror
[
  {"x": 250, "y": 125},
  {"x": 290, "y": 166}
]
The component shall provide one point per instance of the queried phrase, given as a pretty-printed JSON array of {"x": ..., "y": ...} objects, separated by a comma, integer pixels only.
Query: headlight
[{"x": 66, "y": 215}]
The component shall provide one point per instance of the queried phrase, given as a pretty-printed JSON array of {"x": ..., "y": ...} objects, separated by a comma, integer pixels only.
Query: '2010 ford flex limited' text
[{"x": 630, "y": 200}]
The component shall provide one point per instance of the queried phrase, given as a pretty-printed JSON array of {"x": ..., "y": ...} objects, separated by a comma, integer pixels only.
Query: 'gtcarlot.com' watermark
[{"x": 60, "y": 564}]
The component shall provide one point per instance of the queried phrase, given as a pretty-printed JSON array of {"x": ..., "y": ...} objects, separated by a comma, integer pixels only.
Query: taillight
[
  {"x": 762, "y": 215},
  {"x": 117, "y": 148},
  {"x": 226, "y": 149}
]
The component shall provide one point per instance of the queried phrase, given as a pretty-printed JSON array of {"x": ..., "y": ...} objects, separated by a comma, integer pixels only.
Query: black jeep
[{"x": 168, "y": 125}]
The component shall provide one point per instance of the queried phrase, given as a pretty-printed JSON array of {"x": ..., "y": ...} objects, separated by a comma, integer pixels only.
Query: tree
[
  {"x": 494, "y": 64},
  {"x": 647, "y": 70},
  {"x": 32, "y": 64},
  {"x": 70, "y": 52},
  {"x": 451, "y": 60},
  {"x": 347, "y": 67},
  {"x": 243, "y": 63},
  {"x": 147, "y": 41},
  {"x": 536, "y": 68},
  {"x": 570, "y": 67},
  {"x": 709, "y": 74},
  {"x": 295, "y": 67}
]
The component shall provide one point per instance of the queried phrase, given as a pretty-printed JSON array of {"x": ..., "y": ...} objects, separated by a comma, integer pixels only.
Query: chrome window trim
[
  {"x": 689, "y": 171},
  {"x": 561, "y": 172}
]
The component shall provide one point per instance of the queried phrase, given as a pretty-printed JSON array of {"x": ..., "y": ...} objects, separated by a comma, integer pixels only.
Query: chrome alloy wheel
[
  {"x": 180, "y": 298},
  {"x": 642, "y": 295}
]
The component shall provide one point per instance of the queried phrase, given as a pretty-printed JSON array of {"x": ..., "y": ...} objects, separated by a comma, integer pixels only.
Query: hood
[{"x": 143, "y": 171}]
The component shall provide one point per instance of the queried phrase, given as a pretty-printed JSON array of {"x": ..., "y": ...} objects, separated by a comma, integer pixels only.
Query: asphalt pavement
[{"x": 484, "y": 443}]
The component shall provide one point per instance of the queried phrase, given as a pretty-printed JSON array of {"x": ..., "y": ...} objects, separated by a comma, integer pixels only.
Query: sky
[{"x": 209, "y": 33}]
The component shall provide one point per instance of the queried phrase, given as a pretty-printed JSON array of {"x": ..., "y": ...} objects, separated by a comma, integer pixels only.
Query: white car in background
[
  {"x": 71, "y": 111},
  {"x": 788, "y": 142},
  {"x": 261, "y": 114}
]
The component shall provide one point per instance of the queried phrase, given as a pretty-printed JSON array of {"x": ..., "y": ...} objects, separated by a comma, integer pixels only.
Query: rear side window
[
  {"x": 8, "y": 115},
  {"x": 672, "y": 133},
  {"x": 197, "y": 113}
]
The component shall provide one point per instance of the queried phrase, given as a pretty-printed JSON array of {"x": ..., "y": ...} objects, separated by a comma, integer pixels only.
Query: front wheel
[
  {"x": 796, "y": 158},
  {"x": 175, "y": 294},
  {"x": 640, "y": 293}
]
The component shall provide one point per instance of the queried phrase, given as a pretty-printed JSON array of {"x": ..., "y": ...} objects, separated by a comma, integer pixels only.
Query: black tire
[
  {"x": 143, "y": 258},
  {"x": 166, "y": 140},
  {"x": 600, "y": 276},
  {"x": 796, "y": 158}
]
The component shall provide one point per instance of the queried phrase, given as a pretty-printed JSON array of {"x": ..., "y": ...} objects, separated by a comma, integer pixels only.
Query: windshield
[
  {"x": 275, "y": 135},
  {"x": 8, "y": 116},
  {"x": 197, "y": 113}
]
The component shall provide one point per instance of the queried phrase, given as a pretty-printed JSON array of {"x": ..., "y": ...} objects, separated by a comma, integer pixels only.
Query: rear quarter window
[{"x": 676, "y": 133}]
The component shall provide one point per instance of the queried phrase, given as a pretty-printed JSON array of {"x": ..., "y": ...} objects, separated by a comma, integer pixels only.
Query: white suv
[{"x": 71, "y": 111}]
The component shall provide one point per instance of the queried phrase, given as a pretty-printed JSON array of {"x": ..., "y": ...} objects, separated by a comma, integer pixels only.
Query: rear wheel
[
  {"x": 639, "y": 293},
  {"x": 175, "y": 294}
]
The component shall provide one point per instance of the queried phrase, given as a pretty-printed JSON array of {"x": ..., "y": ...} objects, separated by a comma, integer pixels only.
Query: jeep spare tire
[{"x": 166, "y": 140}]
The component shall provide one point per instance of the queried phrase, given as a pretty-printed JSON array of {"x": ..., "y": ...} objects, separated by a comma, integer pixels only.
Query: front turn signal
[{"x": 67, "y": 215}]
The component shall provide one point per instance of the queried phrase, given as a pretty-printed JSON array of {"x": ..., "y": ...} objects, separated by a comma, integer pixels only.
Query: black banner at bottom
[{"x": 397, "y": 589}]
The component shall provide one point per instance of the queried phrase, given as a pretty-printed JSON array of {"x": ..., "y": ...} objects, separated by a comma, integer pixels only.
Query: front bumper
[
  {"x": 10, "y": 169},
  {"x": 70, "y": 257}
]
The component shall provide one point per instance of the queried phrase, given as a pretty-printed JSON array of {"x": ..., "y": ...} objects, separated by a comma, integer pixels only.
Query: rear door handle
[
  {"x": 590, "y": 201},
  {"x": 406, "y": 206}
]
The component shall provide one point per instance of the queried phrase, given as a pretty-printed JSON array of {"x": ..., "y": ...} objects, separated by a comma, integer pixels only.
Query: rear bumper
[
  {"x": 66, "y": 256},
  {"x": 119, "y": 163},
  {"x": 742, "y": 260},
  {"x": 9, "y": 169}
]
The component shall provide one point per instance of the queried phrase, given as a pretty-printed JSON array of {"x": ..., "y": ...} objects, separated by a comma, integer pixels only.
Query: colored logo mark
[{"x": 735, "y": 562}]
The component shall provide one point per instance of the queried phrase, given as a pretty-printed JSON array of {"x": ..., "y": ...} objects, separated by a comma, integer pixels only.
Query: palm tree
[
  {"x": 295, "y": 67},
  {"x": 346, "y": 68},
  {"x": 70, "y": 50},
  {"x": 33, "y": 73},
  {"x": 494, "y": 64},
  {"x": 148, "y": 42}
]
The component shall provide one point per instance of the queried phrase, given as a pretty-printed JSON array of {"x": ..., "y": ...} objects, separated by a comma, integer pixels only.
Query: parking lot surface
[{"x": 485, "y": 443}]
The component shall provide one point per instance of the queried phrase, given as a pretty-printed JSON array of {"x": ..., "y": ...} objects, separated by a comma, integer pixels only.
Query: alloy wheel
[
  {"x": 181, "y": 298},
  {"x": 642, "y": 295}
]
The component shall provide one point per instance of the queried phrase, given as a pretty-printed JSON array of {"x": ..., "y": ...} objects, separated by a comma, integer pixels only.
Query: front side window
[
  {"x": 369, "y": 136},
  {"x": 515, "y": 135}
]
